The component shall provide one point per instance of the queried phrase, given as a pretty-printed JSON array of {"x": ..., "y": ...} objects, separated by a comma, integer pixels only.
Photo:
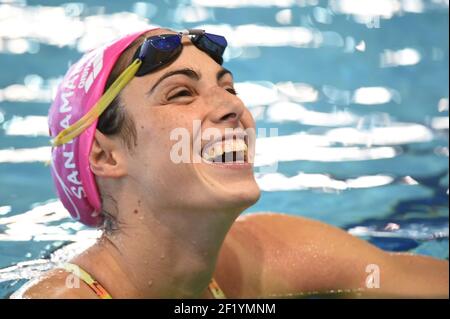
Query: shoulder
[
  {"x": 269, "y": 253},
  {"x": 280, "y": 221},
  {"x": 277, "y": 230},
  {"x": 55, "y": 284},
  {"x": 277, "y": 255}
]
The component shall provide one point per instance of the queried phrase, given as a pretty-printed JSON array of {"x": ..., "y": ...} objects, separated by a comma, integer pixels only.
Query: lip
[{"x": 233, "y": 166}]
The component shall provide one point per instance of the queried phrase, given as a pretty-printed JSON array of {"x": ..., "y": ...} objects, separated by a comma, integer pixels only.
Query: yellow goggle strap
[{"x": 83, "y": 123}]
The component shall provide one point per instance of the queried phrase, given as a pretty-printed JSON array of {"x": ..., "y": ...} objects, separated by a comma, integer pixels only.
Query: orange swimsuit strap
[
  {"x": 99, "y": 290},
  {"x": 102, "y": 293}
]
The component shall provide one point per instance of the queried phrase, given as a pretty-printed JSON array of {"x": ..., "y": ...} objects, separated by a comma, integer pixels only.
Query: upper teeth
[{"x": 221, "y": 147}]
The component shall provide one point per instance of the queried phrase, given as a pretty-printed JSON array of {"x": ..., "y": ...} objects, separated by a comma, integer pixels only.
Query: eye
[
  {"x": 232, "y": 91},
  {"x": 181, "y": 93}
]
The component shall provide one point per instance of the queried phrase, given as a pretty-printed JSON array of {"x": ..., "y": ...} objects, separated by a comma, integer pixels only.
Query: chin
[
  {"x": 249, "y": 197},
  {"x": 237, "y": 196},
  {"x": 225, "y": 186}
]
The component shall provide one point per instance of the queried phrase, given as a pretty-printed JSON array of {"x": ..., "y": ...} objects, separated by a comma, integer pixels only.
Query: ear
[{"x": 107, "y": 157}]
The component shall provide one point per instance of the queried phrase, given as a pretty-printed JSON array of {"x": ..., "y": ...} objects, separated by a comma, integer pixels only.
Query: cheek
[
  {"x": 151, "y": 166},
  {"x": 154, "y": 136},
  {"x": 153, "y": 141}
]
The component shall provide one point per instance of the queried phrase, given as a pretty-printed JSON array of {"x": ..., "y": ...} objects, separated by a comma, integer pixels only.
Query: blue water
[{"x": 362, "y": 90}]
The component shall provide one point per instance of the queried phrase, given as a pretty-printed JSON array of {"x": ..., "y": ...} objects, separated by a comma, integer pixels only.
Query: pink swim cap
[{"x": 81, "y": 88}]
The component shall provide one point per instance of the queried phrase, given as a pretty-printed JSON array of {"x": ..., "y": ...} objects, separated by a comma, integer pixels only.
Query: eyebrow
[{"x": 190, "y": 73}]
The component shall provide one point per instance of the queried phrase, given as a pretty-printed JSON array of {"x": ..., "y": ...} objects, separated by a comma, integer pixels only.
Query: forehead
[{"x": 190, "y": 58}]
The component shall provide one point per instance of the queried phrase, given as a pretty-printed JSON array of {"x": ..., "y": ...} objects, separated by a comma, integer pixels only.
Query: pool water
[{"x": 357, "y": 91}]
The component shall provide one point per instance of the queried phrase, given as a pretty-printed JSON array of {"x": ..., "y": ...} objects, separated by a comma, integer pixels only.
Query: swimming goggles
[{"x": 154, "y": 53}]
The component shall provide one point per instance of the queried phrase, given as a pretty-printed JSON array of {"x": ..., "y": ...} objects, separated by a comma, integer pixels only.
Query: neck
[{"x": 155, "y": 254}]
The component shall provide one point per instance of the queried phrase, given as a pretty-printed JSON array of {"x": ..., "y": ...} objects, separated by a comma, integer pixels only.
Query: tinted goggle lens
[
  {"x": 156, "y": 52},
  {"x": 213, "y": 45},
  {"x": 160, "y": 50},
  {"x": 166, "y": 43}
]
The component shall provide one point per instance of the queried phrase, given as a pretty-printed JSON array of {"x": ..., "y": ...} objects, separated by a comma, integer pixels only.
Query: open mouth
[{"x": 227, "y": 151}]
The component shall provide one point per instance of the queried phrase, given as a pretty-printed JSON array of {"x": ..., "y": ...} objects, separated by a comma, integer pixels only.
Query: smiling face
[{"x": 193, "y": 95}]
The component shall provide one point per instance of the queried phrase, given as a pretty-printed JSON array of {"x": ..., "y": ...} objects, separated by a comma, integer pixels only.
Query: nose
[{"x": 226, "y": 108}]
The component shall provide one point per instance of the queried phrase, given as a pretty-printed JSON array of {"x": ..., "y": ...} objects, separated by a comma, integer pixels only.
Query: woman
[{"x": 171, "y": 226}]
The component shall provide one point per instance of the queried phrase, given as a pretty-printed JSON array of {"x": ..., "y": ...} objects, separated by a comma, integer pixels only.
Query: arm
[{"x": 283, "y": 255}]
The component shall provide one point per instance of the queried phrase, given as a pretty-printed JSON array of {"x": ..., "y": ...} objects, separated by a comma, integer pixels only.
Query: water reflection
[
  {"x": 362, "y": 108},
  {"x": 374, "y": 95},
  {"x": 22, "y": 28},
  {"x": 35, "y": 224},
  {"x": 367, "y": 8},
  {"x": 415, "y": 231},
  {"x": 25, "y": 155},
  {"x": 192, "y": 14},
  {"x": 395, "y": 134},
  {"x": 257, "y": 35},
  {"x": 404, "y": 57},
  {"x": 443, "y": 105},
  {"x": 33, "y": 89},
  {"x": 27, "y": 126},
  {"x": 254, "y": 3},
  {"x": 288, "y": 111},
  {"x": 302, "y": 181}
]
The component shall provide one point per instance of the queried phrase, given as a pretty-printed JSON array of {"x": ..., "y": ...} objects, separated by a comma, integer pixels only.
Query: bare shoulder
[
  {"x": 270, "y": 254},
  {"x": 284, "y": 225},
  {"x": 55, "y": 284},
  {"x": 274, "y": 254},
  {"x": 277, "y": 231}
]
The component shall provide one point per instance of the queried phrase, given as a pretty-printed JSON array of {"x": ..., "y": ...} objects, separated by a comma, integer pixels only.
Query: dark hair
[{"x": 115, "y": 120}]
